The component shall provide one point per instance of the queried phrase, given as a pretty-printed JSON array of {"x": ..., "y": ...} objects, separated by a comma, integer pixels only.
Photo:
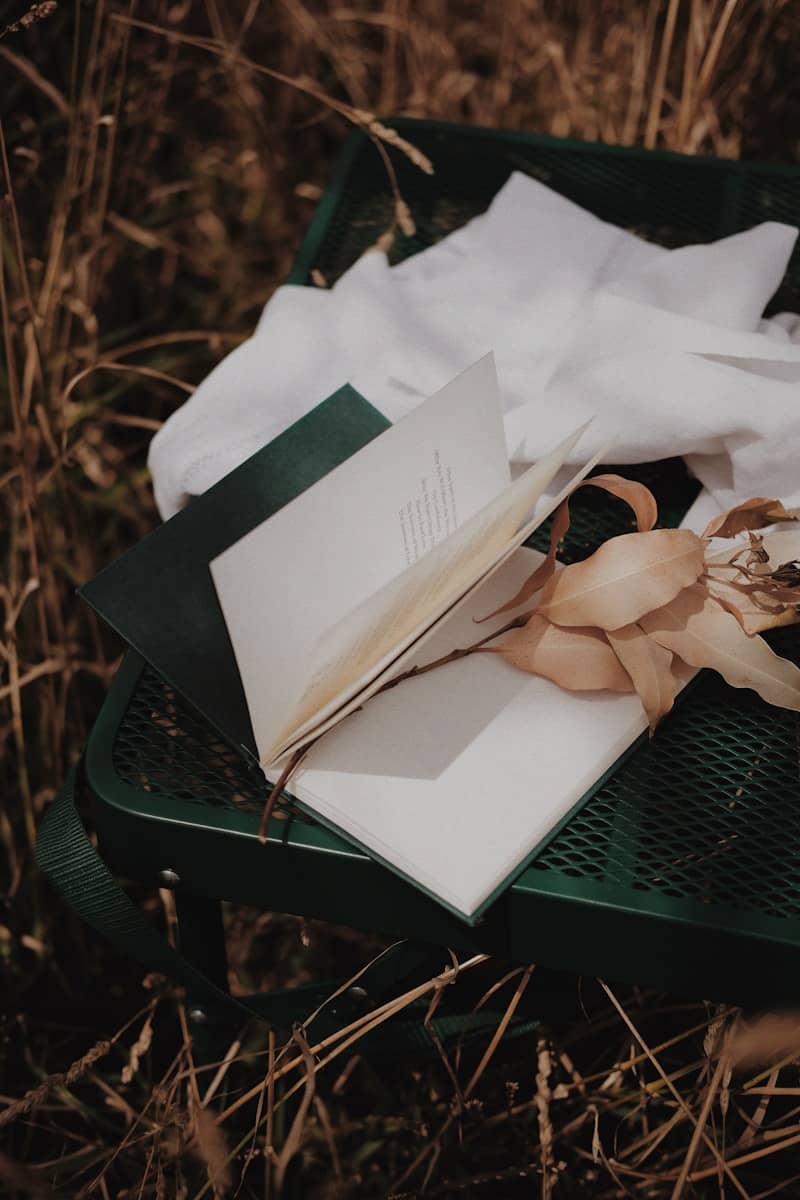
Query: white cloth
[{"x": 666, "y": 347}]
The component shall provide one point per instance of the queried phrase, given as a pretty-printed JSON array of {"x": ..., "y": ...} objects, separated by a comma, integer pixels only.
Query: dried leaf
[
  {"x": 703, "y": 635},
  {"x": 580, "y": 660},
  {"x": 724, "y": 600},
  {"x": 770, "y": 594},
  {"x": 546, "y": 567},
  {"x": 752, "y": 610},
  {"x": 640, "y": 499},
  {"x": 750, "y": 514},
  {"x": 649, "y": 666},
  {"x": 628, "y": 576},
  {"x": 636, "y": 495}
]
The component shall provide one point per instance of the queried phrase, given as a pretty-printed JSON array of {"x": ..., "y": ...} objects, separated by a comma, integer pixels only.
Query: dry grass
[{"x": 159, "y": 162}]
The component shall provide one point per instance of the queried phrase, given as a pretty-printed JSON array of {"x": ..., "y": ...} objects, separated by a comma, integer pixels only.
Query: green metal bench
[{"x": 682, "y": 871}]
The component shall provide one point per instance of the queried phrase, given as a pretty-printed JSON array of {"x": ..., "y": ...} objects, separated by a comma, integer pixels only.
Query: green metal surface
[{"x": 683, "y": 869}]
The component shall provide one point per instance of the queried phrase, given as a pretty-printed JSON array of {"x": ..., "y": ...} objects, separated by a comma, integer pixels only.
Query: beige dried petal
[
  {"x": 755, "y": 513},
  {"x": 639, "y": 497},
  {"x": 694, "y": 627},
  {"x": 579, "y": 660},
  {"x": 726, "y": 598},
  {"x": 752, "y": 618},
  {"x": 546, "y": 567},
  {"x": 627, "y": 577},
  {"x": 650, "y": 668},
  {"x": 780, "y": 547}
]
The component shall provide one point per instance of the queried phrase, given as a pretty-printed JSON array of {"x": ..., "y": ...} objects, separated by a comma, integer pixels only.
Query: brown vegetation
[{"x": 159, "y": 163}]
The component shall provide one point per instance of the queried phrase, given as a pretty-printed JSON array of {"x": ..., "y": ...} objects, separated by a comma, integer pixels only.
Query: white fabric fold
[{"x": 667, "y": 347}]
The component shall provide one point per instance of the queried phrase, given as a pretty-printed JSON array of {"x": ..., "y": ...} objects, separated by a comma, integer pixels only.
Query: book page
[
  {"x": 386, "y": 508},
  {"x": 405, "y": 653},
  {"x": 454, "y": 778},
  {"x": 357, "y": 649}
]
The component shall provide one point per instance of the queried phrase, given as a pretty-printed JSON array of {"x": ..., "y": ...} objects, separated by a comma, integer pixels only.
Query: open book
[
  {"x": 328, "y": 598},
  {"x": 456, "y": 776},
  {"x": 345, "y": 552}
]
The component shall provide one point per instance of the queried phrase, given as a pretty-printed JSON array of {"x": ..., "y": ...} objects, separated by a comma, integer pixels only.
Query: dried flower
[{"x": 646, "y": 604}]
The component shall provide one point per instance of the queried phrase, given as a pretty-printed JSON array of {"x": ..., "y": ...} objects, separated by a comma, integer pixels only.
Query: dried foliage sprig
[
  {"x": 647, "y": 604},
  {"x": 357, "y": 116},
  {"x": 214, "y": 180},
  {"x": 646, "y": 608},
  {"x": 36, "y": 12}
]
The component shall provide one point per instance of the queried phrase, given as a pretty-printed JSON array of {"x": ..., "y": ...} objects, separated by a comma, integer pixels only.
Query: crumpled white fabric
[{"x": 667, "y": 348}]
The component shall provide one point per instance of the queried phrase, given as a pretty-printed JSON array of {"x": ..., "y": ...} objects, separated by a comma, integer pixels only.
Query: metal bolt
[
  {"x": 169, "y": 878},
  {"x": 359, "y": 998},
  {"x": 198, "y": 1015}
]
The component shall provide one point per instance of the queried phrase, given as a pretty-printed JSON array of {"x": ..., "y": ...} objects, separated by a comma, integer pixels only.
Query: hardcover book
[{"x": 285, "y": 602}]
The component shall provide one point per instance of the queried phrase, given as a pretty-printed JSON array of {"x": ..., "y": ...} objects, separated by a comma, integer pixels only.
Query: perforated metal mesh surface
[
  {"x": 666, "y": 199},
  {"x": 709, "y": 809},
  {"x": 163, "y": 746}
]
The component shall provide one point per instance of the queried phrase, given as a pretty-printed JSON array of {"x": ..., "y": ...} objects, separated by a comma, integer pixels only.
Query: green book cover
[{"x": 160, "y": 597}]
